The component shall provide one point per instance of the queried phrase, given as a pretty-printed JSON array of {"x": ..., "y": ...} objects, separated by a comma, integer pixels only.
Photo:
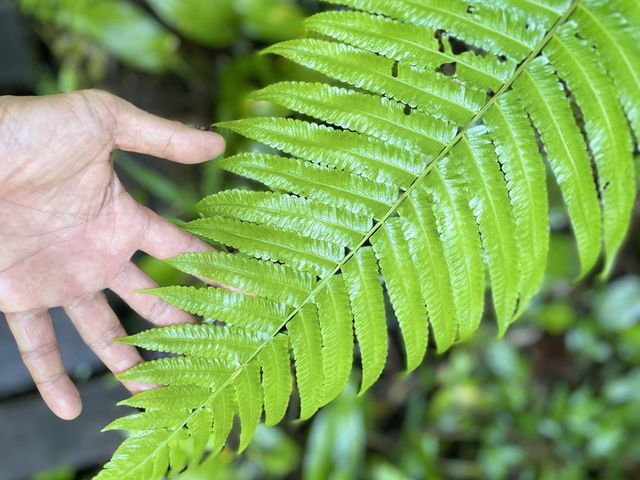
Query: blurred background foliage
[{"x": 557, "y": 398}]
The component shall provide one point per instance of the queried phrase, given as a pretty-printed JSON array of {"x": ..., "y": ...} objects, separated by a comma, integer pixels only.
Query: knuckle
[
  {"x": 159, "y": 311},
  {"x": 39, "y": 351},
  {"x": 50, "y": 379},
  {"x": 121, "y": 275},
  {"x": 104, "y": 339},
  {"x": 82, "y": 302}
]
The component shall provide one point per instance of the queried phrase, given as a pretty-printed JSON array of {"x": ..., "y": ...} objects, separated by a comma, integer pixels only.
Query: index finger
[{"x": 164, "y": 240}]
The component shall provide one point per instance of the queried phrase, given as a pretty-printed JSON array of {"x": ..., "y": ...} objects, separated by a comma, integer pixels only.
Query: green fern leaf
[
  {"x": 224, "y": 409},
  {"x": 370, "y": 114},
  {"x": 150, "y": 420},
  {"x": 489, "y": 200},
  {"x": 134, "y": 460},
  {"x": 427, "y": 91},
  {"x": 276, "y": 378},
  {"x": 414, "y": 45},
  {"x": 200, "y": 427},
  {"x": 336, "y": 328},
  {"x": 366, "y": 156},
  {"x": 306, "y": 342},
  {"x": 249, "y": 401},
  {"x": 460, "y": 241},
  {"x": 351, "y": 192},
  {"x": 178, "y": 455},
  {"x": 229, "y": 344},
  {"x": 421, "y": 233},
  {"x": 204, "y": 372},
  {"x": 289, "y": 213},
  {"x": 270, "y": 243},
  {"x": 275, "y": 282},
  {"x": 617, "y": 41},
  {"x": 546, "y": 12},
  {"x": 486, "y": 27},
  {"x": 525, "y": 174},
  {"x": 544, "y": 99},
  {"x": 233, "y": 308},
  {"x": 424, "y": 169},
  {"x": 172, "y": 398},
  {"x": 403, "y": 285},
  {"x": 367, "y": 303},
  {"x": 605, "y": 125}
]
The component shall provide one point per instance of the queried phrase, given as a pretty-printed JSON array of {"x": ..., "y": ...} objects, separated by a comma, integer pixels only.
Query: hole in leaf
[
  {"x": 606, "y": 185},
  {"x": 394, "y": 69},
  {"x": 408, "y": 110},
  {"x": 448, "y": 69},
  {"x": 502, "y": 58},
  {"x": 439, "y": 34},
  {"x": 458, "y": 46}
]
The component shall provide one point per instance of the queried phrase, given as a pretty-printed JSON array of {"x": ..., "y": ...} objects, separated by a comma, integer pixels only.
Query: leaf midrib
[{"x": 534, "y": 53}]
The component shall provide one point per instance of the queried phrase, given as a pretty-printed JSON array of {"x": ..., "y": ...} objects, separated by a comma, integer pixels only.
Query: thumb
[{"x": 139, "y": 131}]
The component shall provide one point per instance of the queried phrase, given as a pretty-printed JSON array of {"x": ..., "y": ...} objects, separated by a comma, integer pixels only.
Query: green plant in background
[
  {"x": 85, "y": 36},
  {"x": 434, "y": 174},
  {"x": 131, "y": 35}
]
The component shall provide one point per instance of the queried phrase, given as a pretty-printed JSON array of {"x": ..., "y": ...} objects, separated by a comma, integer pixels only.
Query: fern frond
[
  {"x": 421, "y": 233},
  {"x": 362, "y": 155},
  {"x": 151, "y": 420},
  {"x": 229, "y": 344},
  {"x": 351, "y": 192},
  {"x": 289, "y": 213},
  {"x": 525, "y": 174},
  {"x": 546, "y": 12},
  {"x": 618, "y": 46},
  {"x": 276, "y": 378},
  {"x": 425, "y": 90},
  {"x": 407, "y": 43},
  {"x": 200, "y": 426},
  {"x": 370, "y": 320},
  {"x": 134, "y": 451},
  {"x": 232, "y": 308},
  {"x": 476, "y": 165},
  {"x": 377, "y": 116},
  {"x": 458, "y": 230},
  {"x": 422, "y": 175},
  {"x": 249, "y": 401},
  {"x": 545, "y": 100},
  {"x": 403, "y": 284},
  {"x": 610, "y": 140},
  {"x": 306, "y": 343},
  {"x": 270, "y": 243},
  {"x": 224, "y": 409},
  {"x": 266, "y": 279},
  {"x": 484, "y": 26},
  {"x": 204, "y": 372},
  {"x": 172, "y": 398},
  {"x": 336, "y": 328}
]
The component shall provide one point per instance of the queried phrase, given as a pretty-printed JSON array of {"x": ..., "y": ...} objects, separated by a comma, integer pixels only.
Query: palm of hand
[{"x": 69, "y": 228}]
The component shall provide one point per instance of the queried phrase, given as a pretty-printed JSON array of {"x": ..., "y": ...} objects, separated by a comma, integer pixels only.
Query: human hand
[{"x": 68, "y": 228}]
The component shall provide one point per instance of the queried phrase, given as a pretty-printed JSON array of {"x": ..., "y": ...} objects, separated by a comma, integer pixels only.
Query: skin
[{"x": 68, "y": 228}]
